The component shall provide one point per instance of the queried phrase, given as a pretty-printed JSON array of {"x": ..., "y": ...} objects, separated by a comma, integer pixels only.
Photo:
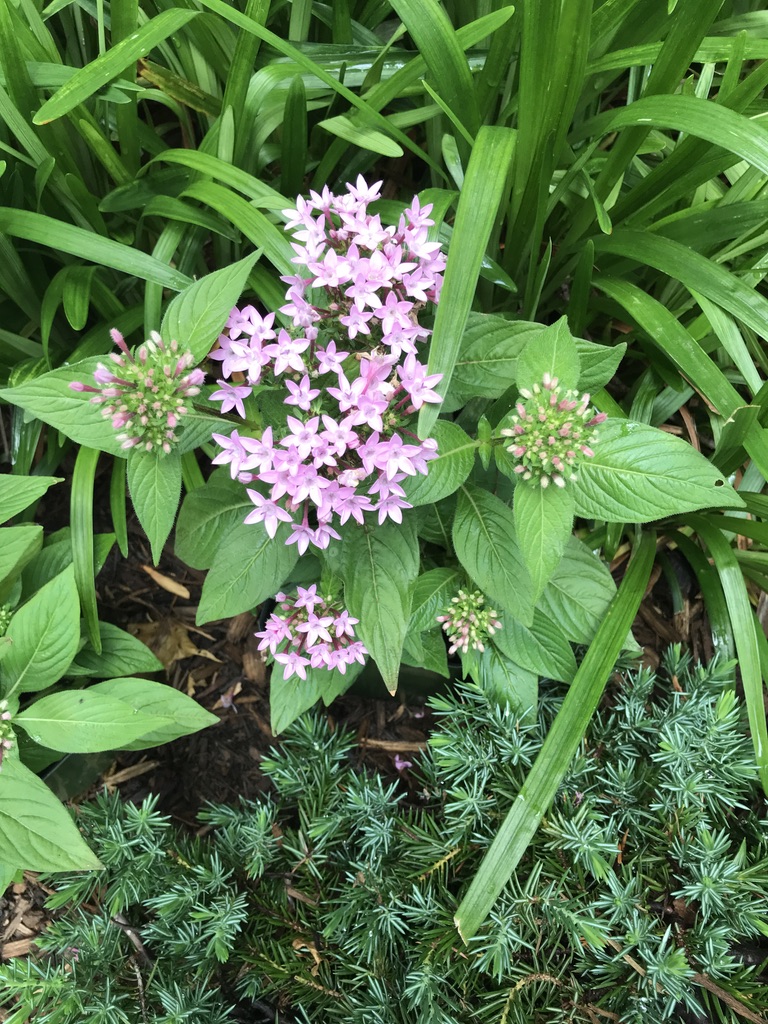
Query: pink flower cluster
[
  {"x": 348, "y": 365},
  {"x": 309, "y": 631}
]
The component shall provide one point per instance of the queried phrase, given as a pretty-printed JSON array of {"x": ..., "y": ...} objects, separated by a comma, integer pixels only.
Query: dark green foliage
[{"x": 642, "y": 896}]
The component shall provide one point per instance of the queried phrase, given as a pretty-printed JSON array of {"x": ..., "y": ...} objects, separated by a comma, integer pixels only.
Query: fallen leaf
[
  {"x": 167, "y": 583},
  {"x": 169, "y": 640}
]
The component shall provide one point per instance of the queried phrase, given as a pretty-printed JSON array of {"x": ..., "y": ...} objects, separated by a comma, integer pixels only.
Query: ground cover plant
[
  {"x": 549, "y": 315},
  {"x": 641, "y": 898}
]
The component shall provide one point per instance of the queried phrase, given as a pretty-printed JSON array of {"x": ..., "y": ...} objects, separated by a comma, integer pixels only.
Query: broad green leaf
[
  {"x": 88, "y": 80},
  {"x": 49, "y": 398},
  {"x": 598, "y": 364},
  {"x": 87, "y": 245},
  {"x": 248, "y": 568},
  {"x": 154, "y": 483},
  {"x": 172, "y": 712},
  {"x": 56, "y": 555},
  {"x": 207, "y": 515},
  {"x": 380, "y": 564},
  {"x": 17, "y": 545},
  {"x": 486, "y": 545},
  {"x": 289, "y": 698},
  {"x": 430, "y": 596},
  {"x": 552, "y": 351},
  {"x": 487, "y": 360},
  {"x": 636, "y": 473},
  {"x": 83, "y": 721},
  {"x": 559, "y": 747},
  {"x": 544, "y": 522},
  {"x": 455, "y": 458},
  {"x": 541, "y": 648},
  {"x": 476, "y": 214},
  {"x": 507, "y": 682},
  {"x": 17, "y": 492},
  {"x": 427, "y": 651},
  {"x": 579, "y": 593},
  {"x": 334, "y": 683},
  {"x": 36, "y": 831},
  {"x": 45, "y": 635},
  {"x": 121, "y": 654},
  {"x": 196, "y": 316}
]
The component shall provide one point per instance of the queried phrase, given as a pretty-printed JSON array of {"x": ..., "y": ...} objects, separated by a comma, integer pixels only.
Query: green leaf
[
  {"x": 448, "y": 471},
  {"x": 507, "y": 682},
  {"x": 476, "y": 214},
  {"x": 427, "y": 651},
  {"x": 207, "y": 516},
  {"x": 543, "y": 521},
  {"x": 248, "y": 568},
  {"x": 36, "y": 831},
  {"x": 743, "y": 627},
  {"x": 362, "y": 136},
  {"x": 87, "y": 245},
  {"x": 57, "y": 555},
  {"x": 154, "y": 483},
  {"x": 197, "y": 315},
  {"x": 636, "y": 473},
  {"x": 559, "y": 747},
  {"x": 486, "y": 545},
  {"x": 380, "y": 563},
  {"x": 541, "y": 648},
  {"x": 598, "y": 364},
  {"x": 552, "y": 351},
  {"x": 121, "y": 654},
  {"x": 17, "y": 545},
  {"x": 83, "y": 721},
  {"x": 430, "y": 596},
  {"x": 17, "y": 492},
  {"x": 289, "y": 698},
  {"x": 45, "y": 634},
  {"x": 579, "y": 593},
  {"x": 88, "y": 80},
  {"x": 49, "y": 398},
  {"x": 487, "y": 361},
  {"x": 172, "y": 712},
  {"x": 435, "y": 38}
]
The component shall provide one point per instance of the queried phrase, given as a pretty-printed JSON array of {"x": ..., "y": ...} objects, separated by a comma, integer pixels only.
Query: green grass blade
[
  {"x": 293, "y": 156},
  {"x": 698, "y": 117},
  {"x": 302, "y": 60},
  {"x": 109, "y": 65},
  {"x": 559, "y": 747},
  {"x": 671, "y": 337},
  {"x": 693, "y": 270},
  {"x": 484, "y": 188},
  {"x": 435, "y": 37},
  {"x": 117, "y": 493},
  {"x": 743, "y": 626},
  {"x": 36, "y": 227},
  {"x": 81, "y": 521}
]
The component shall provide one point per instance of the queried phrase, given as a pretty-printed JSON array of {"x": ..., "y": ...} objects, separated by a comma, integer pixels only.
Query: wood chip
[
  {"x": 396, "y": 746},
  {"x": 12, "y": 949},
  {"x": 167, "y": 583}
]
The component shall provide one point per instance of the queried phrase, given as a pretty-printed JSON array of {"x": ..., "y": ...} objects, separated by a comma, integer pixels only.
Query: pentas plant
[
  {"x": 411, "y": 497},
  {"x": 347, "y": 366}
]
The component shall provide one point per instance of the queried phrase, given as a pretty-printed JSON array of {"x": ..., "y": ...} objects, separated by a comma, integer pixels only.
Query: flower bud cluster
[
  {"x": 468, "y": 623},
  {"x": 144, "y": 394},
  {"x": 348, "y": 366},
  {"x": 553, "y": 430},
  {"x": 311, "y": 631},
  {"x": 6, "y": 614},
  {"x": 6, "y": 731}
]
